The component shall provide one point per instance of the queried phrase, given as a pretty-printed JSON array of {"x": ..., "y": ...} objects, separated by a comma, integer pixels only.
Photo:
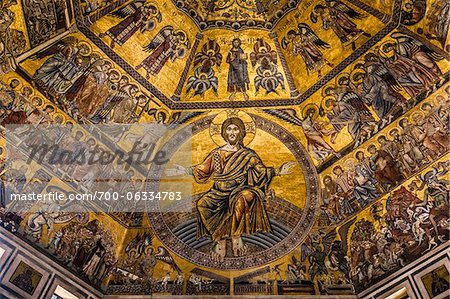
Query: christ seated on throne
[{"x": 235, "y": 204}]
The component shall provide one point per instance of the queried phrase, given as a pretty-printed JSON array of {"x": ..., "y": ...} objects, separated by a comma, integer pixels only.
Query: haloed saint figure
[
  {"x": 235, "y": 204},
  {"x": 238, "y": 78}
]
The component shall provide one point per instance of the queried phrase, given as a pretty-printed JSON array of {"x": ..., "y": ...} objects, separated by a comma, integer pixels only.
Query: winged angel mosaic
[
  {"x": 167, "y": 44},
  {"x": 137, "y": 16}
]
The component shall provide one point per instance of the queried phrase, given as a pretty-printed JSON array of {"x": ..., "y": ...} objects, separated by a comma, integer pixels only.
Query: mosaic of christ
[{"x": 242, "y": 195}]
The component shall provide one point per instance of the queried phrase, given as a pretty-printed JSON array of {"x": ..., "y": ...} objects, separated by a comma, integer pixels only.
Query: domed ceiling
[
  {"x": 344, "y": 104},
  {"x": 236, "y": 15}
]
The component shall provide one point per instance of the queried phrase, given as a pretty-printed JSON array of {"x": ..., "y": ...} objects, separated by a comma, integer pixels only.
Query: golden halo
[
  {"x": 263, "y": 48},
  {"x": 203, "y": 75},
  {"x": 118, "y": 77},
  {"x": 417, "y": 115},
  {"x": 324, "y": 103},
  {"x": 88, "y": 46},
  {"x": 37, "y": 101},
  {"x": 387, "y": 54},
  {"x": 140, "y": 95},
  {"x": 438, "y": 99},
  {"x": 350, "y": 161},
  {"x": 357, "y": 76},
  {"x": 310, "y": 106},
  {"x": 152, "y": 6},
  {"x": 342, "y": 75},
  {"x": 19, "y": 87},
  {"x": 326, "y": 90},
  {"x": 216, "y": 126},
  {"x": 370, "y": 56},
  {"x": 267, "y": 73},
  {"x": 25, "y": 87},
  {"x": 408, "y": 6},
  {"x": 359, "y": 65},
  {"x": 96, "y": 56},
  {"x": 163, "y": 112},
  {"x": 60, "y": 116}
]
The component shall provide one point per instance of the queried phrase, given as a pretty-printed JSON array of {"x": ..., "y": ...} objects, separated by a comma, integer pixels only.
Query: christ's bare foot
[
  {"x": 219, "y": 250},
  {"x": 239, "y": 248}
]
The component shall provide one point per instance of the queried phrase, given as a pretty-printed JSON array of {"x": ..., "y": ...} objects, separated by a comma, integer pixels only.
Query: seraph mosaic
[{"x": 319, "y": 134}]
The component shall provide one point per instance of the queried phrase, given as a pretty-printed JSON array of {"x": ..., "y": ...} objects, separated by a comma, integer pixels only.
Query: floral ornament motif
[
  {"x": 269, "y": 78},
  {"x": 204, "y": 77},
  {"x": 202, "y": 81},
  {"x": 267, "y": 75}
]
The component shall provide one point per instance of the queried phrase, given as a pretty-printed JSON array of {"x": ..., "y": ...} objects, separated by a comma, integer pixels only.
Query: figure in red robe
[
  {"x": 167, "y": 44},
  {"x": 136, "y": 16}
]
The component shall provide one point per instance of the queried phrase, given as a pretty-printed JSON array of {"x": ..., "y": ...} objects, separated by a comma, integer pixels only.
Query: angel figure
[
  {"x": 167, "y": 44},
  {"x": 269, "y": 79},
  {"x": 380, "y": 88},
  {"x": 338, "y": 16},
  {"x": 136, "y": 16},
  {"x": 6, "y": 16},
  {"x": 263, "y": 54},
  {"x": 123, "y": 99},
  {"x": 296, "y": 270},
  {"x": 337, "y": 256},
  {"x": 204, "y": 76},
  {"x": 309, "y": 46},
  {"x": 12, "y": 41},
  {"x": 437, "y": 187},
  {"x": 314, "y": 130},
  {"x": 201, "y": 81},
  {"x": 424, "y": 58},
  {"x": 325, "y": 254},
  {"x": 315, "y": 250},
  {"x": 267, "y": 75},
  {"x": 438, "y": 22},
  {"x": 349, "y": 109},
  {"x": 209, "y": 55},
  {"x": 348, "y": 112}
]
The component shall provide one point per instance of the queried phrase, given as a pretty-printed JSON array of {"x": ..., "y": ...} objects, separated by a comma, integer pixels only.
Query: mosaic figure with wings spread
[
  {"x": 167, "y": 44},
  {"x": 137, "y": 15}
]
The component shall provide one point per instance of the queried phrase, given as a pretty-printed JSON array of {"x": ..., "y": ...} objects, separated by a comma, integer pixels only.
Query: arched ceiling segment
[{"x": 168, "y": 78}]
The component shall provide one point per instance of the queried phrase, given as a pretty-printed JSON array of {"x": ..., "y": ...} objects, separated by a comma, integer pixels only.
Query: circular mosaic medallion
[{"x": 291, "y": 209}]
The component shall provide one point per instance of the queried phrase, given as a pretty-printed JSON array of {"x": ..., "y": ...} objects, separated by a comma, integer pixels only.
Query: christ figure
[{"x": 235, "y": 204}]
